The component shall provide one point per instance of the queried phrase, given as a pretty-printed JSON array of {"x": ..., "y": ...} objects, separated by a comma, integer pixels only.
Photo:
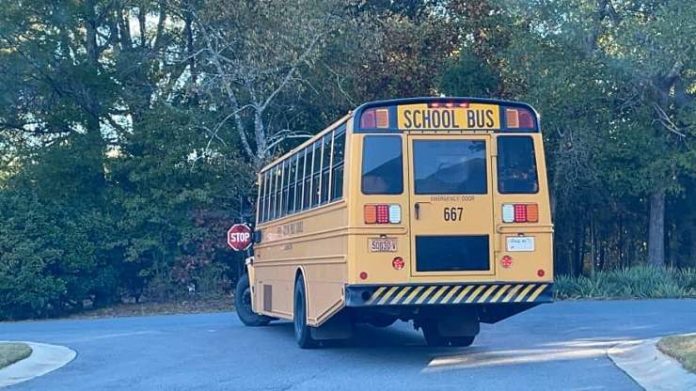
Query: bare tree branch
[{"x": 666, "y": 122}]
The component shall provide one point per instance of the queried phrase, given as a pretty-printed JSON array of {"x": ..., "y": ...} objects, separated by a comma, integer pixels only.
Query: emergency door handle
[{"x": 416, "y": 208}]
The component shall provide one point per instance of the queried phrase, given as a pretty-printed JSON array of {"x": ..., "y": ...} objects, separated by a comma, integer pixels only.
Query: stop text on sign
[
  {"x": 239, "y": 237},
  {"x": 475, "y": 116}
]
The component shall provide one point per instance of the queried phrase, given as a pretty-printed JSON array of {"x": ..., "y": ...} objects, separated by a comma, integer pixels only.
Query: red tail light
[
  {"x": 519, "y": 118},
  {"x": 375, "y": 118},
  {"x": 526, "y": 120},
  {"x": 382, "y": 214},
  {"x": 520, "y": 213},
  {"x": 368, "y": 119}
]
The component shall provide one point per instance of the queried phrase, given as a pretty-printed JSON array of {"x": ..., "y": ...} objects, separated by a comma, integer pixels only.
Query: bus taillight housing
[
  {"x": 519, "y": 118},
  {"x": 382, "y": 214},
  {"x": 375, "y": 118},
  {"x": 520, "y": 213}
]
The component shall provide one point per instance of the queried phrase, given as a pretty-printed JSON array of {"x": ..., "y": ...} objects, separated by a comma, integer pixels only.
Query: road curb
[
  {"x": 44, "y": 358},
  {"x": 650, "y": 368}
]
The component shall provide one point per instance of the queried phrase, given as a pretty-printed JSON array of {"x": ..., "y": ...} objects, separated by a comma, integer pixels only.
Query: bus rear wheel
[
  {"x": 433, "y": 337},
  {"x": 303, "y": 334},
  {"x": 242, "y": 303}
]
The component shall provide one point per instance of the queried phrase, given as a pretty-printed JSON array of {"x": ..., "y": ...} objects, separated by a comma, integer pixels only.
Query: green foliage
[
  {"x": 469, "y": 76},
  {"x": 126, "y": 152},
  {"x": 639, "y": 282}
]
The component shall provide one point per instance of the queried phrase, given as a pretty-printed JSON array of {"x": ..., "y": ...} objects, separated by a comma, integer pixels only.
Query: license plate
[
  {"x": 520, "y": 243},
  {"x": 382, "y": 245}
]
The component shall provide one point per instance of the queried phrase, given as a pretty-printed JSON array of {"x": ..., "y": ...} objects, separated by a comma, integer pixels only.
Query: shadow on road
[{"x": 401, "y": 344}]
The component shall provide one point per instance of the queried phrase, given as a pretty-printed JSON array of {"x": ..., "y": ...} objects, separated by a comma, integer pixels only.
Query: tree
[
  {"x": 252, "y": 53},
  {"x": 633, "y": 74}
]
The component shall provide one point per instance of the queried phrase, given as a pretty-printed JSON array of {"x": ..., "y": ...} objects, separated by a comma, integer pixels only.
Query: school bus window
[
  {"x": 307, "y": 178},
  {"x": 286, "y": 187},
  {"x": 316, "y": 170},
  {"x": 291, "y": 185},
  {"x": 278, "y": 190},
  {"x": 271, "y": 194},
  {"x": 339, "y": 146},
  {"x": 382, "y": 167},
  {"x": 262, "y": 188},
  {"x": 267, "y": 199},
  {"x": 517, "y": 171},
  {"x": 300, "y": 180},
  {"x": 450, "y": 167},
  {"x": 274, "y": 194},
  {"x": 325, "y": 168}
]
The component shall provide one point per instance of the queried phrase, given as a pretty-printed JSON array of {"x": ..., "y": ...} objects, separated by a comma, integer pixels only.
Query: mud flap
[
  {"x": 338, "y": 327},
  {"x": 459, "y": 323}
]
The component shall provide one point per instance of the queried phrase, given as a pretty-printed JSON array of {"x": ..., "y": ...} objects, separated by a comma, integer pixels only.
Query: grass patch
[
  {"x": 10, "y": 353},
  {"x": 642, "y": 282},
  {"x": 682, "y": 348}
]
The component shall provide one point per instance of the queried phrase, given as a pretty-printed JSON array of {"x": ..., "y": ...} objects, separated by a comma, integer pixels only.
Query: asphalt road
[{"x": 555, "y": 346}]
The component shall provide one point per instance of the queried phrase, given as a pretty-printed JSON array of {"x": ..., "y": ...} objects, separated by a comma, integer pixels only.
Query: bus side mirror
[{"x": 257, "y": 237}]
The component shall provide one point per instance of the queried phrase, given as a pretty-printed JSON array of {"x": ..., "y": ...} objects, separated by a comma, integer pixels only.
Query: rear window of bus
[
  {"x": 382, "y": 165},
  {"x": 450, "y": 167},
  {"x": 517, "y": 171}
]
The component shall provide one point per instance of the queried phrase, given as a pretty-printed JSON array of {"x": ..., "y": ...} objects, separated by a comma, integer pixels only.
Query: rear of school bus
[{"x": 449, "y": 214}]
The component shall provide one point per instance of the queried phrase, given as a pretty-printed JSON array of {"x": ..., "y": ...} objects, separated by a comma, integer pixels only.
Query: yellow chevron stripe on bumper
[{"x": 435, "y": 294}]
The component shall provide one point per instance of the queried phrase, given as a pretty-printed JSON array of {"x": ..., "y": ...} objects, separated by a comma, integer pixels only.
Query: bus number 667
[{"x": 453, "y": 214}]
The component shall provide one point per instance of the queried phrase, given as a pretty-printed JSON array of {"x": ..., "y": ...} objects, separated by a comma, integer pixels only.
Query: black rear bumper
[{"x": 448, "y": 294}]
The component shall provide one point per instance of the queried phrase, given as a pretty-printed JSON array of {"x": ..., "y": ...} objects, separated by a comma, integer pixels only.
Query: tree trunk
[{"x": 656, "y": 234}]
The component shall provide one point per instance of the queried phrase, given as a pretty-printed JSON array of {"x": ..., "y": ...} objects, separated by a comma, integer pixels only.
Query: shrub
[{"x": 629, "y": 283}]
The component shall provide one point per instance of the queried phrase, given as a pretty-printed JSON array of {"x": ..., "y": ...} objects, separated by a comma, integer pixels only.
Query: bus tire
[
  {"x": 303, "y": 334},
  {"x": 432, "y": 335},
  {"x": 242, "y": 302},
  {"x": 463, "y": 341}
]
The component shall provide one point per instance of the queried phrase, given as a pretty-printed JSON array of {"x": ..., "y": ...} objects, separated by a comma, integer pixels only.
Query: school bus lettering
[
  {"x": 430, "y": 119},
  {"x": 482, "y": 119},
  {"x": 366, "y": 222},
  {"x": 471, "y": 116}
]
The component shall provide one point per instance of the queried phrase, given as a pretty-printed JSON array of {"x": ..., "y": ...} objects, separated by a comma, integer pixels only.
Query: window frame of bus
[
  {"x": 274, "y": 185},
  {"x": 307, "y": 177},
  {"x": 269, "y": 215},
  {"x": 325, "y": 171},
  {"x": 290, "y": 204},
  {"x": 299, "y": 180},
  {"x": 267, "y": 196},
  {"x": 498, "y": 165},
  {"x": 316, "y": 173},
  {"x": 276, "y": 189},
  {"x": 362, "y": 168},
  {"x": 336, "y": 165},
  {"x": 284, "y": 188},
  {"x": 259, "y": 201}
]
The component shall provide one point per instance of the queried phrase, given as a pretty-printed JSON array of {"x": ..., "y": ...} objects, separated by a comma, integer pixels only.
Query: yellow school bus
[{"x": 430, "y": 210}]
